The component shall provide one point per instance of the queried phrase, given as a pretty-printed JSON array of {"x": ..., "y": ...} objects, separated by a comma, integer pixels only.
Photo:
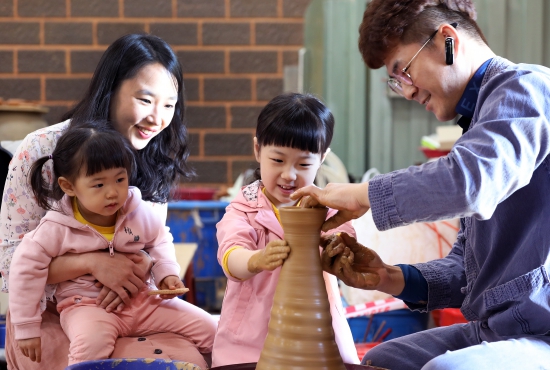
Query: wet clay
[{"x": 300, "y": 334}]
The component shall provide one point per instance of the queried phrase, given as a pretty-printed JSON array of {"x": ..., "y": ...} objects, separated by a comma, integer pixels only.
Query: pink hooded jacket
[
  {"x": 250, "y": 222},
  {"x": 137, "y": 228}
]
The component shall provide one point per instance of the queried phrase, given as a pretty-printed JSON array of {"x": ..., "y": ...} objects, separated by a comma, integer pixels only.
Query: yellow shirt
[{"x": 107, "y": 231}]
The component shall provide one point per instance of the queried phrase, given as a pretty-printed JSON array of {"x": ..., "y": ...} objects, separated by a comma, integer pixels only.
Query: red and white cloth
[{"x": 369, "y": 308}]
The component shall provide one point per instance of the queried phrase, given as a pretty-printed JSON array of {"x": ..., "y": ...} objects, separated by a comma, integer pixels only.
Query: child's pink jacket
[
  {"x": 250, "y": 222},
  {"x": 137, "y": 227}
]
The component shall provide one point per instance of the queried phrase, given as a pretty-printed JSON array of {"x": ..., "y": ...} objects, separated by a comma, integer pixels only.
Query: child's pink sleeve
[{"x": 234, "y": 230}]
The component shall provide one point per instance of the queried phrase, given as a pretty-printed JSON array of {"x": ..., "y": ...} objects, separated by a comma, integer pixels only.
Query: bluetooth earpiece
[{"x": 449, "y": 50}]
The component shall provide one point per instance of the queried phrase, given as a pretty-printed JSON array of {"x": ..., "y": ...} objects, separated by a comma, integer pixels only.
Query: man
[{"x": 496, "y": 178}]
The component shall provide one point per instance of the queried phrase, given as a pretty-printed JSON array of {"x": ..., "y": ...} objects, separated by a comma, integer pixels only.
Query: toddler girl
[
  {"x": 292, "y": 138},
  {"x": 92, "y": 208}
]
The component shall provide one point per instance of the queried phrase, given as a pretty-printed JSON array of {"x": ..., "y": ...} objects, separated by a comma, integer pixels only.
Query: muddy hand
[
  {"x": 350, "y": 261},
  {"x": 269, "y": 258}
]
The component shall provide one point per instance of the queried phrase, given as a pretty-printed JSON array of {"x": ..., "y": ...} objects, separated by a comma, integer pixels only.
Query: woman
[
  {"x": 138, "y": 86},
  {"x": 496, "y": 178}
]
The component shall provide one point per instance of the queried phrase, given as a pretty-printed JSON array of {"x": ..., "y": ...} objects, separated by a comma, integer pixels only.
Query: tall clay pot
[{"x": 300, "y": 334}]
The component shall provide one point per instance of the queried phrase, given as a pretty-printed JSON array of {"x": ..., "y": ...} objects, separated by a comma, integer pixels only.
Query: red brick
[
  {"x": 228, "y": 144},
  {"x": 70, "y": 89},
  {"x": 109, "y": 32},
  {"x": 201, "y": 8},
  {"x": 205, "y": 117},
  {"x": 191, "y": 88},
  {"x": 68, "y": 33},
  {"x": 19, "y": 33},
  {"x": 6, "y": 8},
  {"x": 295, "y": 8},
  {"x": 200, "y": 61},
  {"x": 245, "y": 117},
  {"x": 210, "y": 171},
  {"x": 6, "y": 61},
  {"x": 231, "y": 89},
  {"x": 255, "y": 8},
  {"x": 20, "y": 88},
  {"x": 41, "y": 8},
  {"x": 290, "y": 58},
  {"x": 279, "y": 34},
  {"x": 268, "y": 88},
  {"x": 55, "y": 113},
  {"x": 194, "y": 144},
  {"x": 238, "y": 167},
  {"x": 85, "y": 61},
  {"x": 226, "y": 34},
  {"x": 94, "y": 8},
  {"x": 147, "y": 8},
  {"x": 253, "y": 62},
  {"x": 176, "y": 33},
  {"x": 41, "y": 61}
]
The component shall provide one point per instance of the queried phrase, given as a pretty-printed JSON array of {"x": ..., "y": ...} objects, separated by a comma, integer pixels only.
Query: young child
[
  {"x": 293, "y": 135},
  {"x": 92, "y": 208}
]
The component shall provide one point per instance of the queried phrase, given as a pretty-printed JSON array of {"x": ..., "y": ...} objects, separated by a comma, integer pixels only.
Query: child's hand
[
  {"x": 31, "y": 348},
  {"x": 269, "y": 258},
  {"x": 170, "y": 282}
]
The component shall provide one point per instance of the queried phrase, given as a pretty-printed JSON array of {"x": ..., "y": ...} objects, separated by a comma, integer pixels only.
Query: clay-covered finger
[
  {"x": 279, "y": 250},
  {"x": 338, "y": 219},
  {"x": 278, "y": 257},
  {"x": 309, "y": 202}
]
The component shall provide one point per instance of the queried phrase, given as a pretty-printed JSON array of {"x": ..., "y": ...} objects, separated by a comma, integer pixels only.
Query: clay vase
[{"x": 300, "y": 334}]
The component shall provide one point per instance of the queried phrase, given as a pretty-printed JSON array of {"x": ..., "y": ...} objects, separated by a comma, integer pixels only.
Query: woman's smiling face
[{"x": 144, "y": 105}]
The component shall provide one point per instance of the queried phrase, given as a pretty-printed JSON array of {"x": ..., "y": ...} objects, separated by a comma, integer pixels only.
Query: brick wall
[{"x": 233, "y": 54}]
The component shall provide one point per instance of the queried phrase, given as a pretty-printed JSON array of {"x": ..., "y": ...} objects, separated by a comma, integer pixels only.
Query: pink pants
[{"x": 193, "y": 345}]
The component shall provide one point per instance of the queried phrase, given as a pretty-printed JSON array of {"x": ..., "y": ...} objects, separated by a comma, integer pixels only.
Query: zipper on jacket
[
  {"x": 111, "y": 249},
  {"x": 110, "y": 244}
]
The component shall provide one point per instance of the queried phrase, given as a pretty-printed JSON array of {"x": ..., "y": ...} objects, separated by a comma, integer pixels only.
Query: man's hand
[
  {"x": 31, "y": 348},
  {"x": 351, "y": 201},
  {"x": 358, "y": 266},
  {"x": 269, "y": 258}
]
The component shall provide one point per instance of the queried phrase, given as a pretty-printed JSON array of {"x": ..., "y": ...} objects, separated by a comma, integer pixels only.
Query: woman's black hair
[
  {"x": 163, "y": 161},
  {"x": 299, "y": 121},
  {"x": 95, "y": 148}
]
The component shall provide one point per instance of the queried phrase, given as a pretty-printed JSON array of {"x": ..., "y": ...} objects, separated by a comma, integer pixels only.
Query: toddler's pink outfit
[{"x": 91, "y": 330}]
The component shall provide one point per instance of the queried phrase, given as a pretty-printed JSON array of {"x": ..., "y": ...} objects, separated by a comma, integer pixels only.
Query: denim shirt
[{"x": 497, "y": 178}]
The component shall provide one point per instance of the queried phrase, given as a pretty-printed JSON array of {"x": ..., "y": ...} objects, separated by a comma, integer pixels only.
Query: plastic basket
[
  {"x": 363, "y": 348},
  {"x": 448, "y": 316},
  {"x": 195, "y": 222},
  {"x": 401, "y": 322},
  {"x": 194, "y": 194},
  {"x": 434, "y": 153}
]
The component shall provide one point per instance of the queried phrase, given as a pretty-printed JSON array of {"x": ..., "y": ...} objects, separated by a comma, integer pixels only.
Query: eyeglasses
[{"x": 403, "y": 77}]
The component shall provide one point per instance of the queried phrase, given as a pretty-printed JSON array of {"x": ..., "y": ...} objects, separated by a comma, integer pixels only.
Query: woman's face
[{"x": 144, "y": 105}]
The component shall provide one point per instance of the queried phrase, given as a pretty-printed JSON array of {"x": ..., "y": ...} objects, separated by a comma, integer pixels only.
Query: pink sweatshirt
[
  {"x": 137, "y": 228},
  {"x": 250, "y": 222}
]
